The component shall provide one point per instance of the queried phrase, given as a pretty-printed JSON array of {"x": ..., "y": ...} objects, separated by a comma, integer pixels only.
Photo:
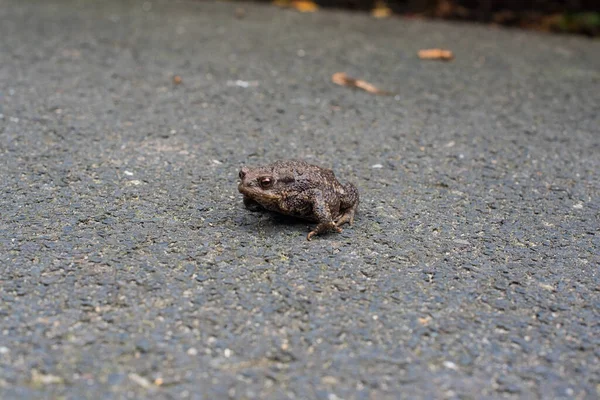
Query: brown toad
[{"x": 299, "y": 189}]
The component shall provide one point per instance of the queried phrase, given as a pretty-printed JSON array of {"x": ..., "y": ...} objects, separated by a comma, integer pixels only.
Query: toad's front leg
[{"x": 252, "y": 205}]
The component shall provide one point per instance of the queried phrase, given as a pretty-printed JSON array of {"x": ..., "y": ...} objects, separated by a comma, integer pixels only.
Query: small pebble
[
  {"x": 140, "y": 380},
  {"x": 192, "y": 351},
  {"x": 450, "y": 365}
]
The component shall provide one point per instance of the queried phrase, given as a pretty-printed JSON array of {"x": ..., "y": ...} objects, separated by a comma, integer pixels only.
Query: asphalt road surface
[{"x": 130, "y": 269}]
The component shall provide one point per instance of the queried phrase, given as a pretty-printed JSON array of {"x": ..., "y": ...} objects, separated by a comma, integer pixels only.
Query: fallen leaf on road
[
  {"x": 340, "y": 78},
  {"x": 436, "y": 54},
  {"x": 381, "y": 10},
  {"x": 305, "y": 6},
  {"x": 240, "y": 13},
  {"x": 300, "y": 5},
  {"x": 177, "y": 80}
]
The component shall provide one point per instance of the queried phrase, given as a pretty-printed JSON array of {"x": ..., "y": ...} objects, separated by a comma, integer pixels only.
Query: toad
[{"x": 299, "y": 189}]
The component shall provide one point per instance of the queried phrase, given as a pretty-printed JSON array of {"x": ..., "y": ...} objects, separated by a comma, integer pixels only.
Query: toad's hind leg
[
  {"x": 321, "y": 213},
  {"x": 348, "y": 205},
  {"x": 323, "y": 227},
  {"x": 347, "y": 216}
]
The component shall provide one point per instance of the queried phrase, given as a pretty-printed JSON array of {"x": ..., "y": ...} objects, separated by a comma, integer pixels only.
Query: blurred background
[{"x": 561, "y": 16}]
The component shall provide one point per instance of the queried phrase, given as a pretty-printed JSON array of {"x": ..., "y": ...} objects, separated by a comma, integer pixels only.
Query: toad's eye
[
  {"x": 265, "y": 182},
  {"x": 242, "y": 174}
]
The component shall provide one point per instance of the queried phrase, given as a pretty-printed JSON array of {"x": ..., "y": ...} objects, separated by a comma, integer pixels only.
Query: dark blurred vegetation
[
  {"x": 570, "y": 16},
  {"x": 576, "y": 16}
]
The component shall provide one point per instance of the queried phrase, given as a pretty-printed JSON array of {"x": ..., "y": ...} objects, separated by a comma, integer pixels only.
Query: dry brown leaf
[
  {"x": 381, "y": 10},
  {"x": 177, "y": 80},
  {"x": 340, "y": 78},
  {"x": 240, "y": 13},
  {"x": 305, "y": 6},
  {"x": 436, "y": 54},
  {"x": 299, "y": 5},
  {"x": 444, "y": 8},
  {"x": 424, "y": 320}
]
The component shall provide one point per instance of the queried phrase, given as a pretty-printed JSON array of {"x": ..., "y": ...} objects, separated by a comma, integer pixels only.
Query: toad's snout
[{"x": 243, "y": 173}]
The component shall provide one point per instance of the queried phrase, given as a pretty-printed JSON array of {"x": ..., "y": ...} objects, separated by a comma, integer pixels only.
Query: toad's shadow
[
  {"x": 280, "y": 219},
  {"x": 272, "y": 221}
]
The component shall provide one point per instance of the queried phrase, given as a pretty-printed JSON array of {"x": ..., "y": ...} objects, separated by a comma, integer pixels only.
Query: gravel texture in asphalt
[{"x": 130, "y": 269}]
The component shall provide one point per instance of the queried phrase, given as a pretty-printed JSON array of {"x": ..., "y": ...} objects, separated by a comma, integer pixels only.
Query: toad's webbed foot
[
  {"x": 323, "y": 227},
  {"x": 347, "y": 216}
]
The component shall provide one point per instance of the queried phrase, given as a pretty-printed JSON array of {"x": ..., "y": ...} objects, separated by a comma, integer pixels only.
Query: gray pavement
[{"x": 130, "y": 269}]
